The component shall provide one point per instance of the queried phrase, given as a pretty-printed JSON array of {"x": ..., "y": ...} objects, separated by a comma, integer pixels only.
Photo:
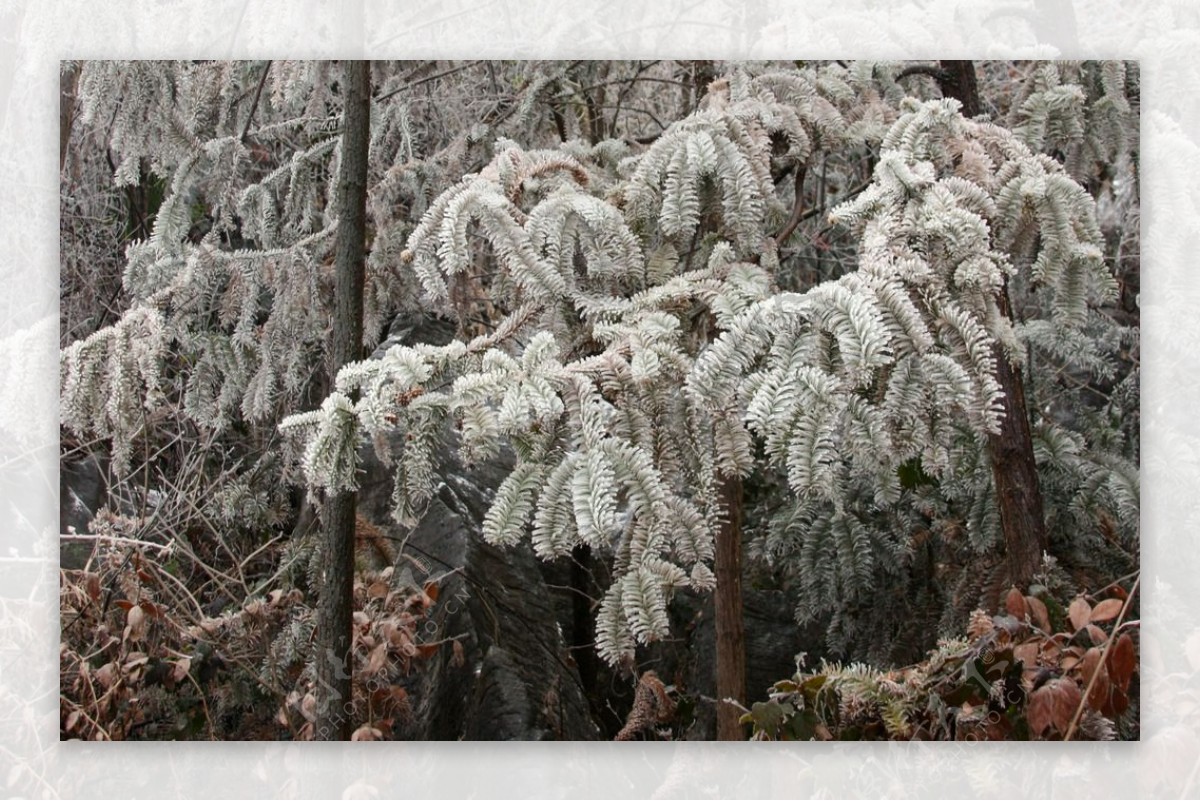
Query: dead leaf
[
  {"x": 378, "y": 589},
  {"x": 366, "y": 732},
  {"x": 72, "y": 719},
  {"x": 135, "y": 628},
  {"x": 1106, "y": 610},
  {"x": 1038, "y": 613},
  {"x": 1039, "y": 710},
  {"x": 1096, "y": 634},
  {"x": 181, "y": 668},
  {"x": 1080, "y": 611},
  {"x": 1014, "y": 603},
  {"x": 1027, "y": 652},
  {"x": 122, "y": 603},
  {"x": 377, "y": 659},
  {"x": 1098, "y": 696},
  {"x": 308, "y": 708},
  {"x": 1122, "y": 661},
  {"x": 1066, "y": 699},
  {"x": 1087, "y": 667},
  {"x": 92, "y": 583},
  {"x": 106, "y": 675}
]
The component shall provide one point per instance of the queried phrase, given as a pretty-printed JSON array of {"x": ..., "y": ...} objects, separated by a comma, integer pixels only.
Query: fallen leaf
[
  {"x": 1079, "y": 612},
  {"x": 308, "y": 708},
  {"x": 1027, "y": 652},
  {"x": 1122, "y": 661},
  {"x": 366, "y": 732},
  {"x": 1096, "y": 634},
  {"x": 431, "y": 589},
  {"x": 1098, "y": 696},
  {"x": 92, "y": 583},
  {"x": 1014, "y": 602},
  {"x": 135, "y": 628},
  {"x": 1038, "y": 613},
  {"x": 1066, "y": 699},
  {"x": 378, "y": 589},
  {"x": 1106, "y": 610},
  {"x": 377, "y": 659},
  {"x": 1087, "y": 667},
  {"x": 106, "y": 675},
  {"x": 1039, "y": 710}
]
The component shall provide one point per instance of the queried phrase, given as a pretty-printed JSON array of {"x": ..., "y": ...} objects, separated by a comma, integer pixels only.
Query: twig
[
  {"x": 426, "y": 79},
  {"x": 1103, "y": 655},
  {"x": 254, "y": 103},
  {"x": 116, "y": 540},
  {"x": 797, "y": 208}
]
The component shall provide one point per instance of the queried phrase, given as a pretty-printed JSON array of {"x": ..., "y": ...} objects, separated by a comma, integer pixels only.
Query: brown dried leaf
[
  {"x": 1039, "y": 712},
  {"x": 308, "y": 708},
  {"x": 1066, "y": 698},
  {"x": 431, "y": 590},
  {"x": 1122, "y": 660},
  {"x": 1118, "y": 702},
  {"x": 1038, "y": 613},
  {"x": 1096, "y": 634},
  {"x": 1027, "y": 652},
  {"x": 361, "y": 619},
  {"x": 366, "y": 732},
  {"x": 72, "y": 719},
  {"x": 181, "y": 668},
  {"x": 1098, "y": 696},
  {"x": 135, "y": 628},
  {"x": 123, "y": 604},
  {"x": 377, "y": 659},
  {"x": 1080, "y": 611},
  {"x": 378, "y": 589},
  {"x": 106, "y": 675},
  {"x": 1014, "y": 603},
  {"x": 1106, "y": 610},
  {"x": 92, "y": 583},
  {"x": 1087, "y": 667}
]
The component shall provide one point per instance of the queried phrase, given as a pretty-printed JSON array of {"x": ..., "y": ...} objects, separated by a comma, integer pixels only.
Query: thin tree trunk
[
  {"x": 1014, "y": 468},
  {"x": 334, "y": 668},
  {"x": 727, "y": 598}
]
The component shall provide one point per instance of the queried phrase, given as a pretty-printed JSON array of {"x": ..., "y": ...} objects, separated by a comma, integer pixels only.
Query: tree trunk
[
  {"x": 334, "y": 667},
  {"x": 727, "y": 599},
  {"x": 1014, "y": 468}
]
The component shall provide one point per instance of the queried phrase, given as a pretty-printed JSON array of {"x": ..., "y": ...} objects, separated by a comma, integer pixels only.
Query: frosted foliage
[{"x": 622, "y": 335}]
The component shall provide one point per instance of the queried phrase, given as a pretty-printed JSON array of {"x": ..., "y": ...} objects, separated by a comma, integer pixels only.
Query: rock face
[{"x": 514, "y": 678}]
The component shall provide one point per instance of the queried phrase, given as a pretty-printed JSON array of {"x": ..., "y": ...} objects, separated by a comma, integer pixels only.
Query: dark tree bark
[
  {"x": 1014, "y": 468},
  {"x": 727, "y": 599},
  {"x": 334, "y": 668}
]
